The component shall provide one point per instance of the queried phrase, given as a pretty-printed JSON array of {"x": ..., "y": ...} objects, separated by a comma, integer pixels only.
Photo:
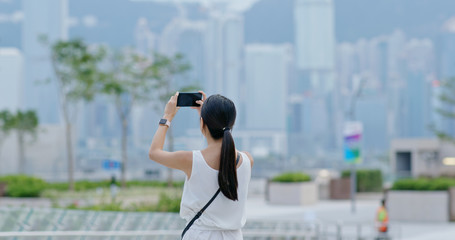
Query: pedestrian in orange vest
[{"x": 382, "y": 219}]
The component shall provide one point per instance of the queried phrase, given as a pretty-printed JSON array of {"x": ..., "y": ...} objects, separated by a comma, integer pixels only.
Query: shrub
[
  {"x": 136, "y": 183},
  {"x": 292, "y": 177},
  {"x": 90, "y": 185},
  {"x": 367, "y": 180},
  {"x": 424, "y": 184},
  {"x": 23, "y": 186},
  {"x": 166, "y": 203}
]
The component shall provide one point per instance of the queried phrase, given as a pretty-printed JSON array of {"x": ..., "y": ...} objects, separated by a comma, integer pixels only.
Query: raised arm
[{"x": 181, "y": 160}]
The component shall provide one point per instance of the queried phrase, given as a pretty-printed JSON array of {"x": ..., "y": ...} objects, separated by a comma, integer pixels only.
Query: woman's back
[{"x": 223, "y": 213}]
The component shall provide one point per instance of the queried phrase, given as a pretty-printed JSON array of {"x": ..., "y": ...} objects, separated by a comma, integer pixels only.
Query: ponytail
[
  {"x": 218, "y": 114},
  {"x": 227, "y": 175}
]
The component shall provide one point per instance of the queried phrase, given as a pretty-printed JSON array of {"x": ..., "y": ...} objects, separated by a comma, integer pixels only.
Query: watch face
[{"x": 163, "y": 121}]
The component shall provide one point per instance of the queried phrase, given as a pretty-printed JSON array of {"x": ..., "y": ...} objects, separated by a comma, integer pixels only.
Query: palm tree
[
  {"x": 5, "y": 126},
  {"x": 23, "y": 123}
]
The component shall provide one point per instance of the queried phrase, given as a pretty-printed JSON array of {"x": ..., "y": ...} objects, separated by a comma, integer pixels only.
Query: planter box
[
  {"x": 452, "y": 203},
  {"x": 301, "y": 193},
  {"x": 427, "y": 206},
  {"x": 340, "y": 188}
]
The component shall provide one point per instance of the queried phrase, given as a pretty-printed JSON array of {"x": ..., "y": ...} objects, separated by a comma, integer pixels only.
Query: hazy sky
[{"x": 267, "y": 21}]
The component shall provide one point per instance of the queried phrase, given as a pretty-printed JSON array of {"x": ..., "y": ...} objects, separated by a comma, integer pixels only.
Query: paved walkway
[
  {"x": 325, "y": 212},
  {"x": 340, "y": 211}
]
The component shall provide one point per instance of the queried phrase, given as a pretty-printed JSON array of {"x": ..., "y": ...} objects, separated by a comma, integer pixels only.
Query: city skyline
[{"x": 293, "y": 97}]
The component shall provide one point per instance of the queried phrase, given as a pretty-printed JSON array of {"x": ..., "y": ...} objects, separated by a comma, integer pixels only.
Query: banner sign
[
  {"x": 352, "y": 141},
  {"x": 111, "y": 164}
]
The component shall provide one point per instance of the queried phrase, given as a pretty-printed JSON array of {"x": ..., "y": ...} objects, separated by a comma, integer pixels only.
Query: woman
[{"x": 218, "y": 166}]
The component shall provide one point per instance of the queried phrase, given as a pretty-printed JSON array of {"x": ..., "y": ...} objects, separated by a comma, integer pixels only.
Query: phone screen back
[{"x": 188, "y": 99}]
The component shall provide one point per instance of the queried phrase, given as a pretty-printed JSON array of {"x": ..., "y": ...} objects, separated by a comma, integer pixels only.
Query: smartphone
[{"x": 188, "y": 99}]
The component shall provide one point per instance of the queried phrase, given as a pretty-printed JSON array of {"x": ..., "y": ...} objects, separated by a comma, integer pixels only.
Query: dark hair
[{"x": 218, "y": 113}]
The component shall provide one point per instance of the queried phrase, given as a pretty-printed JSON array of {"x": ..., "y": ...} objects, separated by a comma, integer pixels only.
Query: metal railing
[{"x": 55, "y": 224}]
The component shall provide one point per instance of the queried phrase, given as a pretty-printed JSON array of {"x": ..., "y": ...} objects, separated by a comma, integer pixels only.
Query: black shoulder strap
[{"x": 198, "y": 214}]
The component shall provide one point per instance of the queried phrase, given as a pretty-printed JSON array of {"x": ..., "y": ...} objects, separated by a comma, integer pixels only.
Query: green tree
[
  {"x": 447, "y": 98},
  {"x": 129, "y": 81},
  {"x": 169, "y": 69},
  {"x": 76, "y": 68},
  {"x": 23, "y": 123},
  {"x": 5, "y": 126}
]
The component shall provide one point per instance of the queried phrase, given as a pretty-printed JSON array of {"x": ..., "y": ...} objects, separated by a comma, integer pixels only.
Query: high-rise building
[
  {"x": 225, "y": 45},
  {"x": 315, "y": 43},
  {"x": 46, "y": 18},
  {"x": 145, "y": 40},
  {"x": 347, "y": 65},
  {"x": 411, "y": 91},
  {"x": 446, "y": 71},
  {"x": 188, "y": 38},
  {"x": 268, "y": 71},
  {"x": 315, "y": 62},
  {"x": 371, "y": 110},
  {"x": 11, "y": 79}
]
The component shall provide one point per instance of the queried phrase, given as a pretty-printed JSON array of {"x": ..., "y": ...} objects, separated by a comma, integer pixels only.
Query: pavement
[
  {"x": 339, "y": 212},
  {"x": 330, "y": 213}
]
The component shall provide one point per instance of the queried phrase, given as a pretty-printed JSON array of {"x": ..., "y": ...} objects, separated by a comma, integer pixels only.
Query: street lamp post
[{"x": 353, "y": 164}]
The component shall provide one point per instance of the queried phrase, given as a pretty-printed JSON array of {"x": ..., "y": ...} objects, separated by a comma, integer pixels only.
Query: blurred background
[
  {"x": 297, "y": 71},
  {"x": 319, "y": 85}
]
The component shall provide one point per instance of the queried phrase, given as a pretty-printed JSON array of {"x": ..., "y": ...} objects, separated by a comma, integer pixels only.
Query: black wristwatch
[{"x": 165, "y": 122}]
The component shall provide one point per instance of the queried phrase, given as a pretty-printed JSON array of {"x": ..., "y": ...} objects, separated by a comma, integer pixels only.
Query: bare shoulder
[
  {"x": 186, "y": 156},
  {"x": 250, "y": 157}
]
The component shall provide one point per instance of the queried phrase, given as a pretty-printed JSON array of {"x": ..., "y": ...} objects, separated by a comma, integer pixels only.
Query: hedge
[
  {"x": 28, "y": 186},
  {"x": 166, "y": 203},
  {"x": 90, "y": 185},
  {"x": 292, "y": 177},
  {"x": 367, "y": 180},
  {"x": 424, "y": 184},
  {"x": 23, "y": 186}
]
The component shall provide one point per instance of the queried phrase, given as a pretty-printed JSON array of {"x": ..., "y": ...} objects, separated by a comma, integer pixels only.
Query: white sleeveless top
[{"x": 223, "y": 213}]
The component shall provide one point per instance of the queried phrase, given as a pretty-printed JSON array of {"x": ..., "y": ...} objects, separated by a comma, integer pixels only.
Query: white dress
[{"x": 224, "y": 218}]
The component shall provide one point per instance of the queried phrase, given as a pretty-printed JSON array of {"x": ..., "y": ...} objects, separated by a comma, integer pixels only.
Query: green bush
[
  {"x": 292, "y": 177},
  {"x": 424, "y": 184},
  {"x": 136, "y": 183},
  {"x": 23, "y": 186},
  {"x": 367, "y": 180},
  {"x": 90, "y": 185},
  {"x": 166, "y": 203}
]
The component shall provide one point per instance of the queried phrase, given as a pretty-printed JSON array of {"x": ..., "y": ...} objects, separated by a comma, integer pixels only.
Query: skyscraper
[
  {"x": 446, "y": 63},
  {"x": 46, "y": 18},
  {"x": 145, "y": 40},
  {"x": 11, "y": 79},
  {"x": 225, "y": 43},
  {"x": 315, "y": 43},
  {"x": 268, "y": 70},
  {"x": 315, "y": 55},
  {"x": 189, "y": 39}
]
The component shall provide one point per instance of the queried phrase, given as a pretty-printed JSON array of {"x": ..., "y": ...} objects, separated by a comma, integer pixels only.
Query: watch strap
[{"x": 166, "y": 122}]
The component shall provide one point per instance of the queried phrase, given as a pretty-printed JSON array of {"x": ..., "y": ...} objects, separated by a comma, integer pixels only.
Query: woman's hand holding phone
[
  {"x": 200, "y": 102},
  {"x": 171, "y": 107}
]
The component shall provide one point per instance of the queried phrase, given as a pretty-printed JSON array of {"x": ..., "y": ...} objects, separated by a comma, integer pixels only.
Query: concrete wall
[
  {"x": 426, "y": 156},
  {"x": 452, "y": 203},
  {"x": 425, "y": 206},
  {"x": 293, "y": 193},
  {"x": 340, "y": 188}
]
